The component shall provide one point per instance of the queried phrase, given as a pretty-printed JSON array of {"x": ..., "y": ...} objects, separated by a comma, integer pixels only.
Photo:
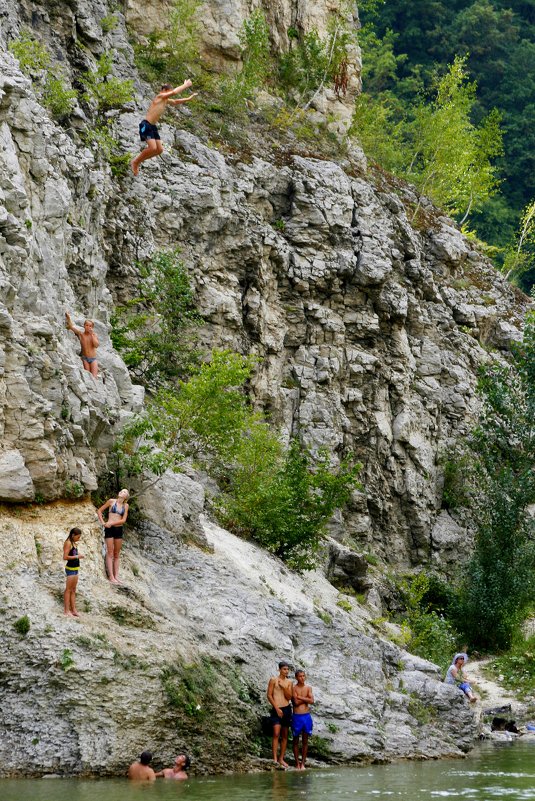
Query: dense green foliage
[
  {"x": 405, "y": 45},
  {"x": 430, "y": 634},
  {"x": 22, "y": 625},
  {"x": 146, "y": 330},
  {"x": 285, "y": 504},
  {"x": 103, "y": 89},
  {"x": 280, "y": 497},
  {"x": 499, "y": 581},
  {"x": 517, "y": 667},
  {"x": 433, "y": 144},
  {"x": 313, "y": 62},
  {"x": 35, "y": 62}
]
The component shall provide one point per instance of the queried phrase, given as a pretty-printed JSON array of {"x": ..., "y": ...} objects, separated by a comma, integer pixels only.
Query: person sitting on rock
[
  {"x": 141, "y": 771},
  {"x": 302, "y": 697},
  {"x": 178, "y": 771},
  {"x": 88, "y": 343},
  {"x": 148, "y": 132},
  {"x": 455, "y": 676}
]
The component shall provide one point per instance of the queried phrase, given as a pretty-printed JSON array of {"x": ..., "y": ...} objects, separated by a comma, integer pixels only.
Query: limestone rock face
[
  {"x": 368, "y": 331},
  {"x": 221, "y": 619}
]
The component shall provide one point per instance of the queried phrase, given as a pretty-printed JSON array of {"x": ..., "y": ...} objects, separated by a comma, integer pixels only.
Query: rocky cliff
[
  {"x": 369, "y": 333},
  {"x": 179, "y": 658}
]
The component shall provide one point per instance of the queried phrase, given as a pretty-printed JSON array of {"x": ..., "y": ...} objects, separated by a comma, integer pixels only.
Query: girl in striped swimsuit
[{"x": 72, "y": 557}]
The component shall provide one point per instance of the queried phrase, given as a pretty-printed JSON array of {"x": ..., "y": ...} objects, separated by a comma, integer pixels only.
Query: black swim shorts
[
  {"x": 148, "y": 131},
  {"x": 115, "y": 531},
  {"x": 286, "y": 719}
]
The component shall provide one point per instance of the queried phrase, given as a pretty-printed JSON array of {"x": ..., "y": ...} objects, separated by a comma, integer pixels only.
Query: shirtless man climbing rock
[
  {"x": 279, "y": 695},
  {"x": 148, "y": 132},
  {"x": 88, "y": 343}
]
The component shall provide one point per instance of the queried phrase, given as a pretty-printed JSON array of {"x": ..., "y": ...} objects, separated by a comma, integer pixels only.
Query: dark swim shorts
[
  {"x": 70, "y": 571},
  {"x": 148, "y": 131},
  {"x": 115, "y": 531},
  {"x": 286, "y": 719}
]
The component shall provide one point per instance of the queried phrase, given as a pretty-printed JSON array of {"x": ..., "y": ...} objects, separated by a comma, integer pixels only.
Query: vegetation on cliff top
[{"x": 406, "y": 45}]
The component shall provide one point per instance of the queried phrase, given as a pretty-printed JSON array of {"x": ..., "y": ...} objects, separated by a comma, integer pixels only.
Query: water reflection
[{"x": 491, "y": 772}]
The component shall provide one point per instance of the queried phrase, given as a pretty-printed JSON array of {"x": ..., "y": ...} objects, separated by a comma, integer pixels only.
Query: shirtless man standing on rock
[
  {"x": 88, "y": 343},
  {"x": 148, "y": 132},
  {"x": 302, "y": 719},
  {"x": 279, "y": 695}
]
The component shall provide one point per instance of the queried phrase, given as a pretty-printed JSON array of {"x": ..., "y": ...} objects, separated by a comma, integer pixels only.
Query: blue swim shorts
[
  {"x": 69, "y": 571},
  {"x": 302, "y": 723},
  {"x": 465, "y": 687}
]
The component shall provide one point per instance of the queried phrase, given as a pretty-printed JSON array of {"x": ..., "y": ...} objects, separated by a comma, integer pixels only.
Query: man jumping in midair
[{"x": 148, "y": 131}]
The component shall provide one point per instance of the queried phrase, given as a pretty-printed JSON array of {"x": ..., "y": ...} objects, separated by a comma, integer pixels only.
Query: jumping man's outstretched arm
[
  {"x": 182, "y": 100},
  {"x": 175, "y": 91}
]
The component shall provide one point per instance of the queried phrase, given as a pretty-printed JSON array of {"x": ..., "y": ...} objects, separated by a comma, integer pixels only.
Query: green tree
[
  {"x": 452, "y": 161},
  {"x": 155, "y": 332},
  {"x": 280, "y": 497},
  {"x": 499, "y": 581},
  {"x": 520, "y": 256},
  {"x": 256, "y": 61}
]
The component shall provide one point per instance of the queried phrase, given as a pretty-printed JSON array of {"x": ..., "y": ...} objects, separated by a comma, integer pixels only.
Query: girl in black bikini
[
  {"x": 72, "y": 557},
  {"x": 113, "y": 532}
]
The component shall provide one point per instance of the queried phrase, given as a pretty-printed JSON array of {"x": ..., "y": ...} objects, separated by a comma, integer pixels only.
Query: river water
[{"x": 505, "y": 770}]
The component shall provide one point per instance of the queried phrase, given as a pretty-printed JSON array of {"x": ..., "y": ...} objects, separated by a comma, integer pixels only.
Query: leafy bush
[
  {"x": 34, "y": 61},
  {"x": 32, "y": 55},
  {"x": 155, "y": 332},
  {"x": 66, "y": 661},
  {"x": 104, "y": 89},
  {"x": 313, "y": 62},
  {"x": 432, "y": 636},
  {"x": 22, "y": 625},
  {"x": 281, "y": 499},
  {"x": 286, "y": 507},
  {"x": 499, "y": 582},
  {"x": 191, "y": 688},
  {"x": 256, "y": 61},
  {"x": 517, "y": 667},
  {"x": 58, "y": 98},
  {"x": 171, "y": 54}
]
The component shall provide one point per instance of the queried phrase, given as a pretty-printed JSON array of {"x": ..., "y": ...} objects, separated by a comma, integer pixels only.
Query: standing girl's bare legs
[
  {"x": 117, "y": 545},
  {"x": 109, "y": 559},
  {"x": 69, "y": 596}
]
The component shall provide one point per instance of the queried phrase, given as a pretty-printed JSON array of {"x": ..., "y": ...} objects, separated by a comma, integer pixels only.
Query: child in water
[{"x": 72, "y": 557}]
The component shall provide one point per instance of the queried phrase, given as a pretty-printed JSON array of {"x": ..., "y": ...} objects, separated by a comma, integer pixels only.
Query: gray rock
[{"x": 15, "y": 480}]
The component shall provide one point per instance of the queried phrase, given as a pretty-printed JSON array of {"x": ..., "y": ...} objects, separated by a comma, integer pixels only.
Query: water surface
[{"x": 493, "y": 771}]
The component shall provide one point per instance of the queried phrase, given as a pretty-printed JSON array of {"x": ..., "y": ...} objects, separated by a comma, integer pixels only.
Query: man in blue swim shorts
[
  {"x": 302, "y": 698},
  {"x": 148, "y": 132}
]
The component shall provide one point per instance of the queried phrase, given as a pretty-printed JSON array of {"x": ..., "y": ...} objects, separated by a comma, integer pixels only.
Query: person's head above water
[
  {"x": 183, "y": 762},
  {"x": 145, "y": 758}
]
